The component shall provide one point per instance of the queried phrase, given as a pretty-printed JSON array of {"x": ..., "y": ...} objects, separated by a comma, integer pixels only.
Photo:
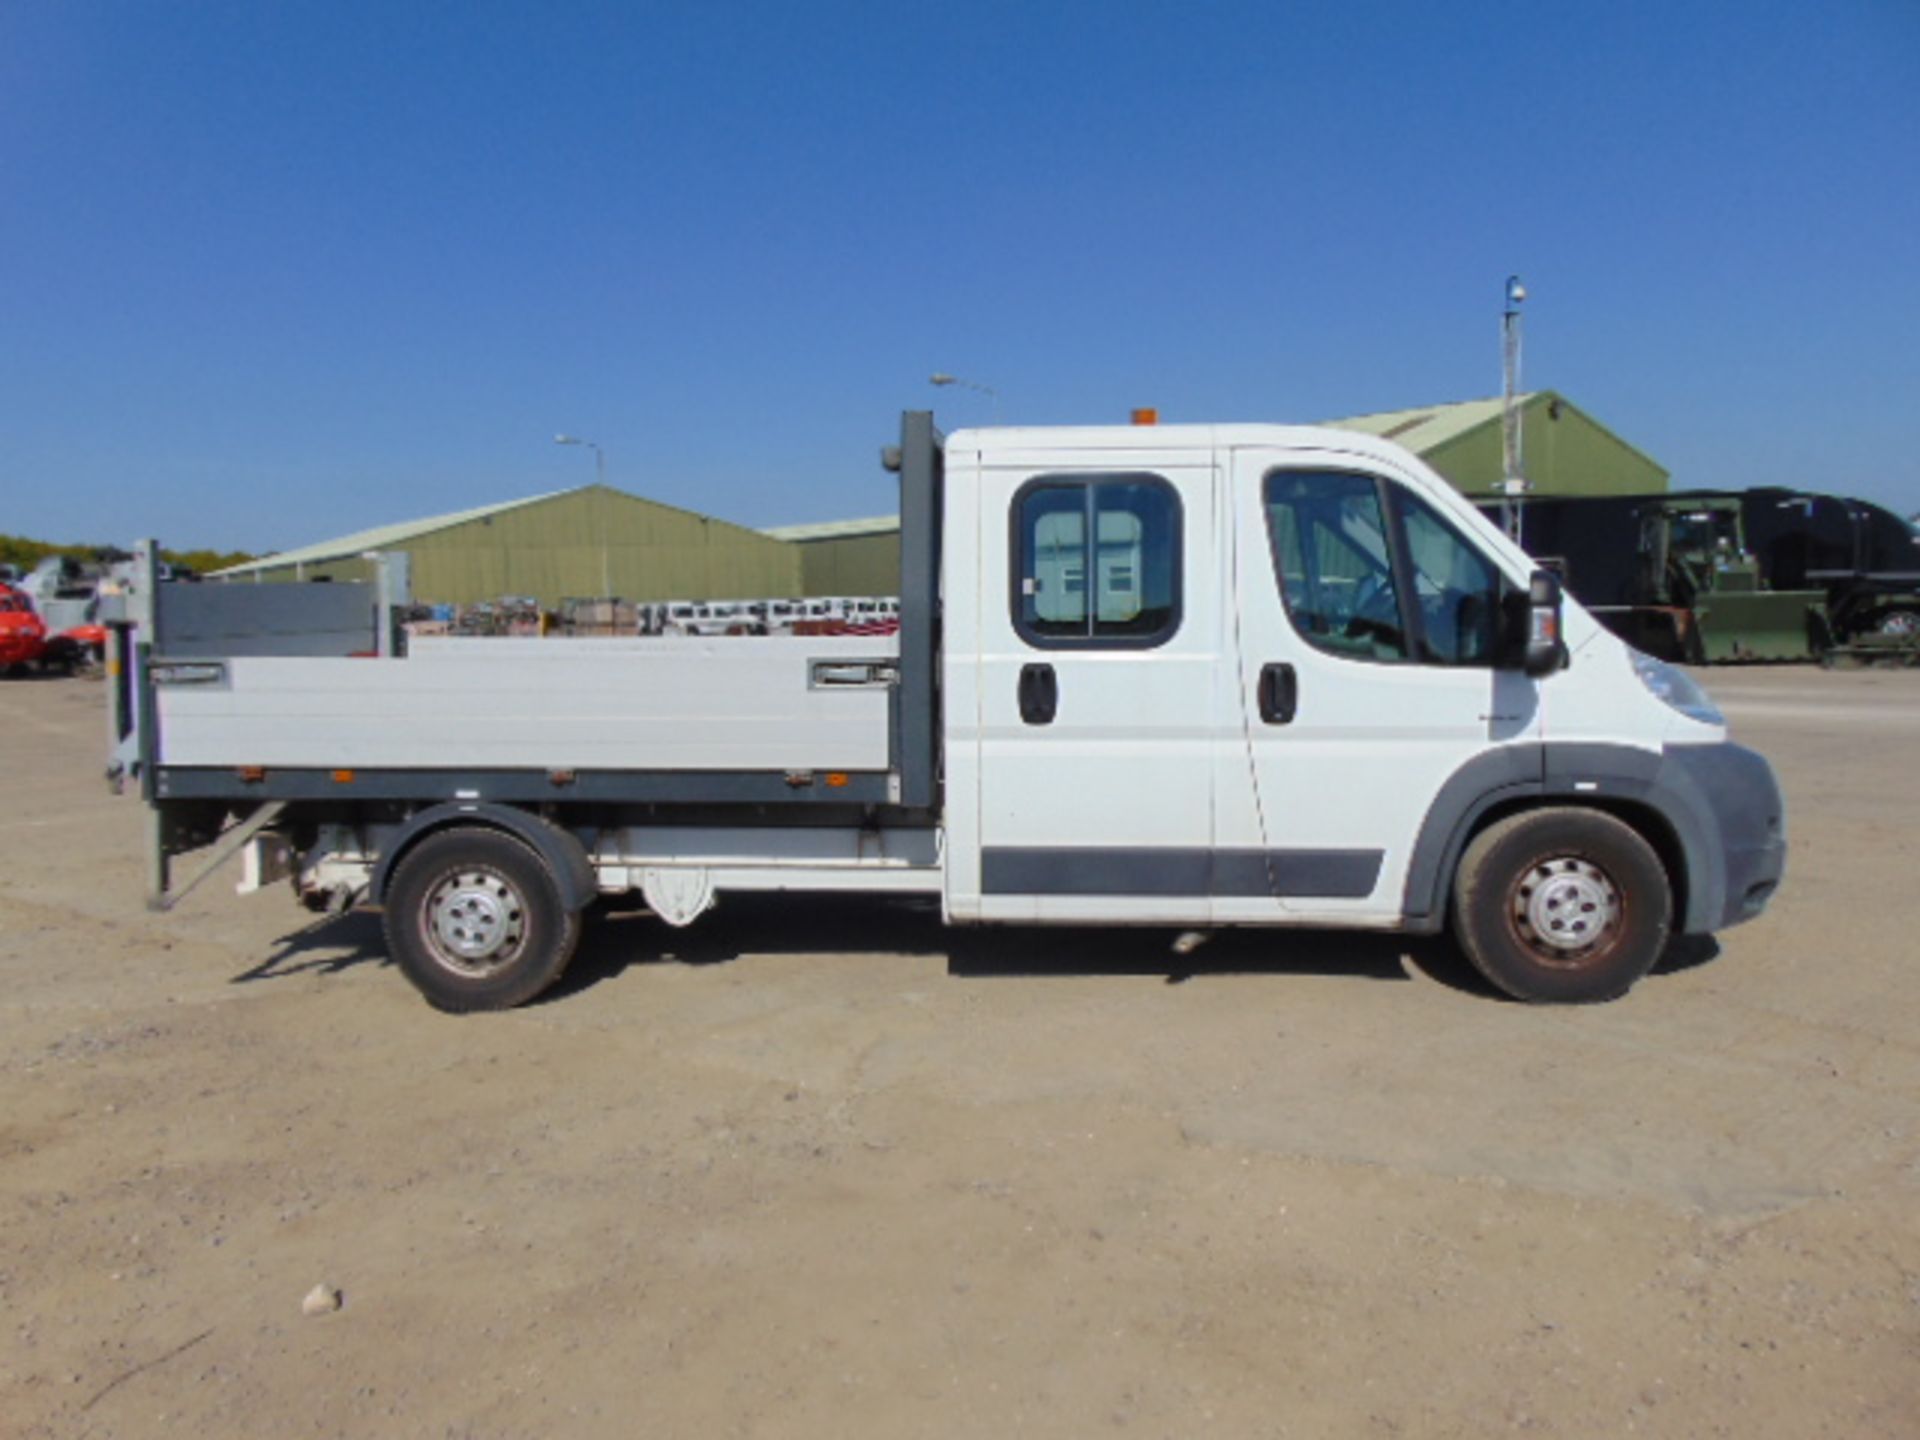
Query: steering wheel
[{"x": 1374, "y": 612}]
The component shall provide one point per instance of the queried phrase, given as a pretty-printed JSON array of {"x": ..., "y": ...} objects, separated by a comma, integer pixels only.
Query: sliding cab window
[
  {"x": 1096, "y": 561},
  {"x": 1369, "y": 571}
]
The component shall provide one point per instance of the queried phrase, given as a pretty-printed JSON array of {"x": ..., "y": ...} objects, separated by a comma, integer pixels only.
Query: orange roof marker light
[{"x": 1147, "y": 415}]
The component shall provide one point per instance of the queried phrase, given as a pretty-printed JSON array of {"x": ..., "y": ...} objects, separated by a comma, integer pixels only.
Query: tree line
[{"x": 24, "y": 554}]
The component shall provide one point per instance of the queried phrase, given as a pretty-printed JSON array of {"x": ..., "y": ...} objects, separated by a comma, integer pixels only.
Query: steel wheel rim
[
  {"x": 1900, "y": 622},
  {"x": 1567, "y": 911},
  {"x": 474, "y": 922}
]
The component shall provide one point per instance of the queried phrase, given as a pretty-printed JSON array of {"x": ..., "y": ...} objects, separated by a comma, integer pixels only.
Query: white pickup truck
[{"x": 1185, "y": 675}]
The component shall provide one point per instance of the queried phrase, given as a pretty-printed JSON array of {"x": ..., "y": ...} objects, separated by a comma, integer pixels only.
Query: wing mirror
[{"x": 1532, "y": 626}]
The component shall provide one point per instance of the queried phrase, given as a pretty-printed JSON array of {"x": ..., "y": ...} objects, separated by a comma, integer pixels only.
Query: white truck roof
[
  {"x": 1125, "y": 446},
  {"x": 1005, "y": 441}
]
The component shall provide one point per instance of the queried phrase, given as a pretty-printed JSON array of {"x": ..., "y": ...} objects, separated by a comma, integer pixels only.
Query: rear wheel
[
  {"x": 1900, "y": 624},
  {"x": 1566, "y": 906},
  {"x": 476, "y": 921}
]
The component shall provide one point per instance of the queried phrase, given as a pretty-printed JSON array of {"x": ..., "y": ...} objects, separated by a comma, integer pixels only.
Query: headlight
[{"x": 1674, "y": 687}]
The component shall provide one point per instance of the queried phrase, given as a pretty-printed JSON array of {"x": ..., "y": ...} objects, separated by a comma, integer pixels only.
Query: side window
[
  {"x": 1332, "y": 554},
  {"x": 1378, "y": 578},
  {"x": 1097, "y": 561},
  {"x": 1457, "y": 588}
]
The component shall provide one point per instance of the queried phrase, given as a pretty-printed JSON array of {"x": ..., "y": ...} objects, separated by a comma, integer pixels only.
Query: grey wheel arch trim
[
  {"x": 1488, "y": 779},
  {"x": 1718, "y": 801},
  {"x": 563, "y": 855}
]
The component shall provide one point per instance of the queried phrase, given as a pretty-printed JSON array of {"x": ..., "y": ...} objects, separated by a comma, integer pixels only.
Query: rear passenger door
[{"x": 1099, "y": 716}]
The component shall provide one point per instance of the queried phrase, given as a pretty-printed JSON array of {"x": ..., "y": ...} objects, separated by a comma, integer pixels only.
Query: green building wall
[
  {"x": 1563, "y": 452},
  {"x": 588, "y": 542},
  {"x": 850, "y": 564}
]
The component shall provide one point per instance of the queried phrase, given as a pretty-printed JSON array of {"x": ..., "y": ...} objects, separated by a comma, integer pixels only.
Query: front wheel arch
[{"x": 1508, "y": 780}]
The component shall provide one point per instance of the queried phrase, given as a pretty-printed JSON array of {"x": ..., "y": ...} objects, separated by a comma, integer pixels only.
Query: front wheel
[
  {"x": 1565, "y": 906},
  {"x": 476, "y": 921}
]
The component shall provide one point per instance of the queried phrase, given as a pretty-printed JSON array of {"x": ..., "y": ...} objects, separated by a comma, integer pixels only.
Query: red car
[{"x": 23, "y": 638}]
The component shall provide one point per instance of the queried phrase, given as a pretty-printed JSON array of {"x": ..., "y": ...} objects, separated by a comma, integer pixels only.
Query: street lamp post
[
  {"x": 1513, "y": 483},
  {"x": 600, "y": 476},
  {"x": 599, "y": 455},
  {"x": 940, "y": 377}
]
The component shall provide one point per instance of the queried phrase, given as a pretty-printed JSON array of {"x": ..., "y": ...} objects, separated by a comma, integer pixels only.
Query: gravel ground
[{"x": 823, "y": 1169}]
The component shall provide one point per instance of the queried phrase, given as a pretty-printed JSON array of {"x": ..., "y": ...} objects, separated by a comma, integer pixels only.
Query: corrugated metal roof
[
  {"x": 382, "y": 537},
  {"x": 836, "y": 529},
  {"x": 1430, "y": 426}
]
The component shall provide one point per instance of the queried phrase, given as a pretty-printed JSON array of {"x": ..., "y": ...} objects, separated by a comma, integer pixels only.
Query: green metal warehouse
[
  {"x": 593, "y": 541},
  {"x": 846, "y": 557},
  {"x": 596, "y": 540},
  {"x": 1565, "y": 451}
]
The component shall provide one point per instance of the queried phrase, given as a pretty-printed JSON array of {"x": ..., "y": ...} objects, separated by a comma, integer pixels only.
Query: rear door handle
[
  {"x": 1279, "y": 693},
  {"x": 1039, "y": 694}
]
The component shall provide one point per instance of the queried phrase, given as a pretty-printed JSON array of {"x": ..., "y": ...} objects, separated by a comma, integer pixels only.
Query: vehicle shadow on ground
[
  {"x": 616, "y": 938},
  {"x": 791, "y": 925},
  {"x": 1687, "y": 952},
  {"x": 326, "y": 945}
]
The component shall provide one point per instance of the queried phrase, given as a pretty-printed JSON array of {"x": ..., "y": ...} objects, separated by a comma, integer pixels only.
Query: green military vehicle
[{"x": 1714, "y": 577}]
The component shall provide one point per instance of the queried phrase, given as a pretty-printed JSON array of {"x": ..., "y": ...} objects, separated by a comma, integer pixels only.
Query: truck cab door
[
  {"x": 1369, "y": 628},
  {"x": 1098, "y": 708}
]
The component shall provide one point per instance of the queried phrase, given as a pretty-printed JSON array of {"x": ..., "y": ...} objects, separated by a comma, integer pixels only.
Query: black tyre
[
  {"x": 1563, "y": 906},
  {"x": 476, "y": 921},
  {"x": 1898, "y": 624}
]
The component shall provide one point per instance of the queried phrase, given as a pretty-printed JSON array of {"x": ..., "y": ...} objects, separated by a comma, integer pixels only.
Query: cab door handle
[
  {"x": 1279, "y": 693},
  {"x": 1039, "y": 694}
]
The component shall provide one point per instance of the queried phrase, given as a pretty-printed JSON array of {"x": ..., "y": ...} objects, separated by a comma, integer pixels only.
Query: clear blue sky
[{"x": 273, "y": 272}]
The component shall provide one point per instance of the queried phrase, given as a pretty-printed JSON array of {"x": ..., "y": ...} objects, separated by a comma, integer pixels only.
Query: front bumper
[{"x": 1737, "y": 848}]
